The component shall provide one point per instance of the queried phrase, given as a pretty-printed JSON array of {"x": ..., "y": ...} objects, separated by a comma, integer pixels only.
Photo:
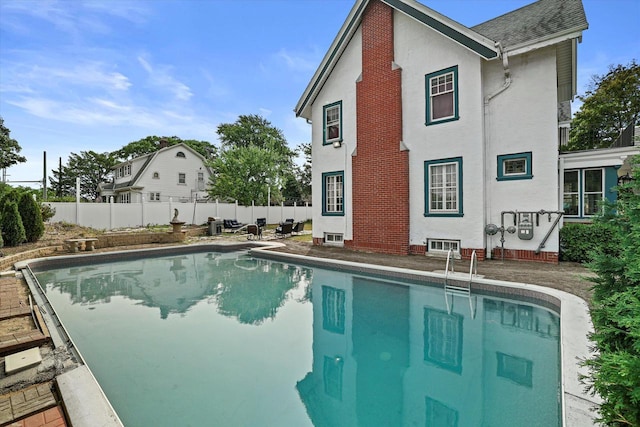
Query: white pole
[{"x": 77, "y": 200}]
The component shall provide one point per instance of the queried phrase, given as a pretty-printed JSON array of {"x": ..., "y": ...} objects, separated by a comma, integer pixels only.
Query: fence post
[
  {"x": 111, "y": 212},
  {"x": 253, "y": 217},
  {"x": 217, "y": 215},
  {"x": 142, "y": 206},
  {"x": 281, "y": 211},
  {"x": 170, "y": 208},
  {"x": 193, "y": 220},
  {"x": 78, "y": 201},
  {"x": 235, "y": 214}
]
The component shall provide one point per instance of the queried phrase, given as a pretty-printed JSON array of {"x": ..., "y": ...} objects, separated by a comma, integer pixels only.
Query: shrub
[
  {"x": 31, "y": 217},
  {"x": 579, "y": 241},
  {"x": 1, "y": 241},
  {"x": 47, "y": 212},
  {"x": 12, "y": 225},
  {"x": 615, "y": 369}
]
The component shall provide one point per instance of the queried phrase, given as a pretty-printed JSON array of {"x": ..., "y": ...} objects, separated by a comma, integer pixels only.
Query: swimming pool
[{"x": 211, "y": 338}]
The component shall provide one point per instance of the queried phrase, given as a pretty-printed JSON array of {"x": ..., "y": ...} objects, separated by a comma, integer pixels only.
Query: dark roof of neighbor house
[{"x": 539, "y": 20}]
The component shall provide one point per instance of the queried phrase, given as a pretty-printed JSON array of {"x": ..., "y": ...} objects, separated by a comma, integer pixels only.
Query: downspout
[{"x": 487, "y": 177}]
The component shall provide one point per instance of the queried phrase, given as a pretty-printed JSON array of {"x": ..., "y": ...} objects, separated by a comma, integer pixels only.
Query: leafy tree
[
  {"x": 92, "y": 168},
  {"x": 9, "y": 148},
  {"x": 254, "y": 160},
  {"x": 610, "y": 105},
  {"x": 304, "y": 173},
  {"x": 151, "y": 144},
  {"x": 615, "y": 369},
  {"x": 245, "y": 174},
  {"x": 31, "y": 215},
  {"x": 12, "y": 227}
]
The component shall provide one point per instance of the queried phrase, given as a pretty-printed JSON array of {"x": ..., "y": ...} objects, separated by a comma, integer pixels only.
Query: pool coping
[{"x": 575, "y": 322}]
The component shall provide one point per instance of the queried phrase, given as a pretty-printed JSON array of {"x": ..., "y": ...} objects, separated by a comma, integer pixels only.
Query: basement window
[
  {"x": 333, "y": 239},
  {"x": 443, "y": 246}
]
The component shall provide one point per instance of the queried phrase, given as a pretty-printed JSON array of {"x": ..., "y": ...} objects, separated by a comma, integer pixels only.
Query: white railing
[{"x": 108, "y": 216}]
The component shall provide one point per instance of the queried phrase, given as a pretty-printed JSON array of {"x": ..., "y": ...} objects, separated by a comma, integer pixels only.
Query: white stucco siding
[
  {"x": 523, "y": 119},
  {"x": 340, "y": 86},
  {"x": 419, "y": 50}
]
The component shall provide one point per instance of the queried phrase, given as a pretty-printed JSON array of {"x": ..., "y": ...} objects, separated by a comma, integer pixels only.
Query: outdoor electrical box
[{"x": 525, "y": 227}]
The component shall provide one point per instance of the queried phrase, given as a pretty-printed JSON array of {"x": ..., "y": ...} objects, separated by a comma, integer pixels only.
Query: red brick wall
[
  {"x": 380, "y": 170},
  {"x": 525, "y": 255}
]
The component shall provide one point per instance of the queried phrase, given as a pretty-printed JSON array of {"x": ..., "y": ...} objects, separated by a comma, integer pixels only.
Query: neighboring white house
[
  {"x": 177, "y": 173},
  {"x": 425, "y": 131}
]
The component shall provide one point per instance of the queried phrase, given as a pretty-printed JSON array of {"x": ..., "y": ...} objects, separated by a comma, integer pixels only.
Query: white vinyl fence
[{"x": 107, "y": 216}]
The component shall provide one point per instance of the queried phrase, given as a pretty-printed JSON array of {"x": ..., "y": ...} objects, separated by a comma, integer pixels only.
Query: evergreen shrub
[
  {"x": 31, "y": 217},
  {"x": 12, "y": 228}
]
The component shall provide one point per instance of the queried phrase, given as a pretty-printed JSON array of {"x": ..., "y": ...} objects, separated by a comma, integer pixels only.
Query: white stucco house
[
  {"x": 177, "y": 173},
  {"x": 424, "y": 131}
]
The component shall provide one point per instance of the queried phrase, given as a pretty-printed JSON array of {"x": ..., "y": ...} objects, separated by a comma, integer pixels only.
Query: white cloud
[
  {"x": 162, "y": 78},
  {"x": 298, "y": 61}
]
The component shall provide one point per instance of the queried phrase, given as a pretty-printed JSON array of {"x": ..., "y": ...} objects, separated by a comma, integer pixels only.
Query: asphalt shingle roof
[{"x": 535, "y": 21}]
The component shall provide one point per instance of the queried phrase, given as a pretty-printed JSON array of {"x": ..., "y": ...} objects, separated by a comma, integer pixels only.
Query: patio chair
[
  {"x": 284, "y": 229},
  {"x": 298, "y": 228},
  {"x": 231, "y": 224},
  {"x": 254, "y": 232},
  {"x": 261, "y": 222}
]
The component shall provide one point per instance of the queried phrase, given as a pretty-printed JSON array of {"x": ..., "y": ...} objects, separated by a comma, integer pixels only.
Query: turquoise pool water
[{"x": 224, "y": 339}]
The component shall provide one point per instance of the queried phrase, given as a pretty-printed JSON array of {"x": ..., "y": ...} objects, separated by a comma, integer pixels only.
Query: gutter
[{"x": 507, "y": 83}]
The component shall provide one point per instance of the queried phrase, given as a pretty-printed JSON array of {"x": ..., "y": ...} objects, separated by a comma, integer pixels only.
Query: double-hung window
[
  {"x": 593, "y": 191},
  {"x": 443, "y": 185},
  {"x": 332, "y": 117},
  {"x": 182, "y": 178},
  {"x": 583, "y": 192},
  {"x": 442, "y": 95},
  {"x": 333, "y": 193}
]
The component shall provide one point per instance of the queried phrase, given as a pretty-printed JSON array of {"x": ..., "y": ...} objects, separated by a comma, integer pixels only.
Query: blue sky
[{"x": 95, "y": 75}]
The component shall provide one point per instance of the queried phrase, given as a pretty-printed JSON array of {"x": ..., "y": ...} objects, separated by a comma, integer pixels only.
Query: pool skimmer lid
[{"x": 22, "y": 360}]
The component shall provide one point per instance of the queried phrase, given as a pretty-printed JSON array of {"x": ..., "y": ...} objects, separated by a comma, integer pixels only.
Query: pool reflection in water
[{"x": 226, "y": 339}]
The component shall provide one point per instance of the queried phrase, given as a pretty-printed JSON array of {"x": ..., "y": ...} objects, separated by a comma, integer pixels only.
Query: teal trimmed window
[
  {"x": 514, "y": 166},
  {"x": 332, "y": 123},
  {"x": 443, "y": 187},
  {"x": 443, "y": 339},
  {"x": 333, "y": 314},
  {"x": 442, "y": 96},
  {"x": 333, "y": 193}
]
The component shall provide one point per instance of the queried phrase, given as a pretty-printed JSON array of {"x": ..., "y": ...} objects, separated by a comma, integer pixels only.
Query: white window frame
[
  {"x": 443, "y": 187},
  {"x": 334, "y": 239},
  {"x": 154, "y": 196},
  {"x": 333, "y": 193},
  {"x": 585, "y": 193},
  {"x": 182, "y": 178},
  {"x": 443, "y": 246}
]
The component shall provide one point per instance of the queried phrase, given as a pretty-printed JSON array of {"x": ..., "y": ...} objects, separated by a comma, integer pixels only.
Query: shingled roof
[{"x": 536, "y": 21}]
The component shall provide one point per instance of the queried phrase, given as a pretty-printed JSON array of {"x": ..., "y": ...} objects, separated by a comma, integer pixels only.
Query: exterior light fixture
[
  {"x": 625, "y": 179},
  {"x": 337, "y": 144}
]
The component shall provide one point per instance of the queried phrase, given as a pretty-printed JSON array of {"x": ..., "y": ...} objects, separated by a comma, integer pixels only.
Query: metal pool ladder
[{"x": 455, "y": 289}]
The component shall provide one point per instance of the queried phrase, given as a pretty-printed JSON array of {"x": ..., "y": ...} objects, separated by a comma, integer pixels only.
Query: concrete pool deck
[{"x": 575, "y": 321}]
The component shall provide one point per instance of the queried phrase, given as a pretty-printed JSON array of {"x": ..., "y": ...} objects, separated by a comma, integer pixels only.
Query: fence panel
[{"x": 121, "y": 215}]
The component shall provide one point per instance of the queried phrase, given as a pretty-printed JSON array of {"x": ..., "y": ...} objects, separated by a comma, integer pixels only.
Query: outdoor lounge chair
[
  {"x": 232, "y": 224},
  {"x": 284, "y": 229},
  {"x": 261, "y": 222},
  {"x": 298, "y": 228}
]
